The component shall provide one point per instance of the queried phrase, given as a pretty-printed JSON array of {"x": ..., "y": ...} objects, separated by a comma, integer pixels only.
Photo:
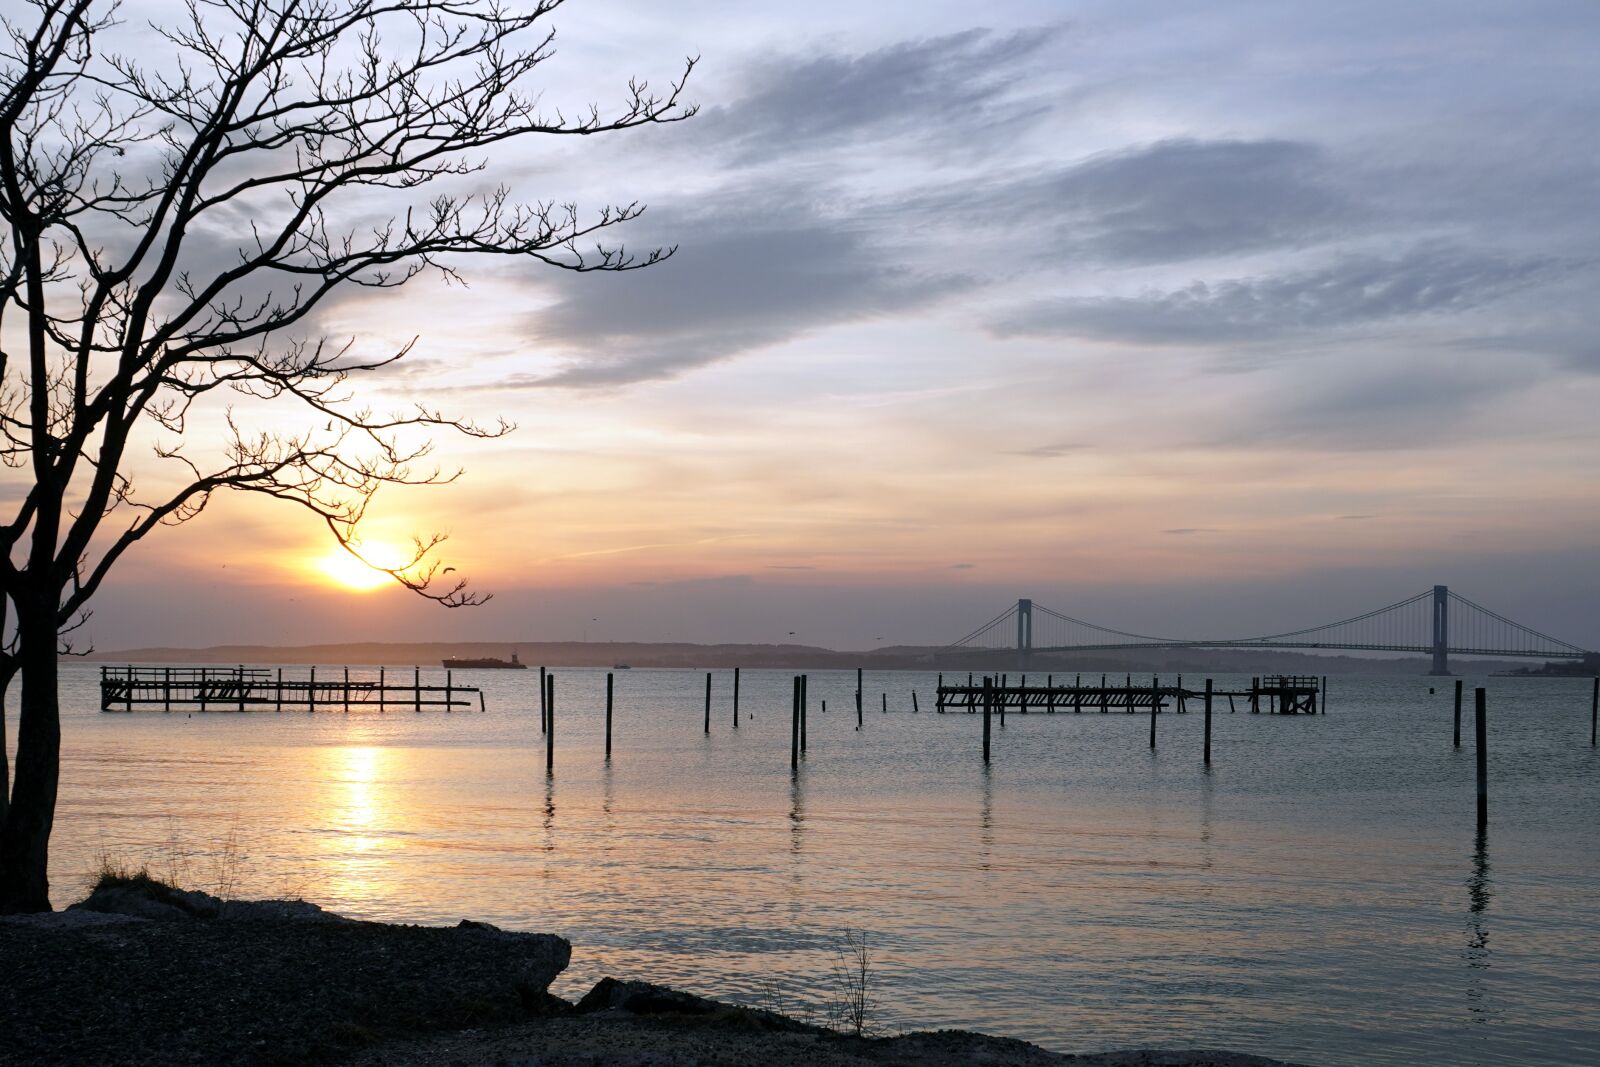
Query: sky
[{"x": 1188, "y": 319}]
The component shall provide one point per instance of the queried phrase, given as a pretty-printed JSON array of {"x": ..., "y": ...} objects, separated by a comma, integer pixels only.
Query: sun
[{"x": 348, "y": 572}]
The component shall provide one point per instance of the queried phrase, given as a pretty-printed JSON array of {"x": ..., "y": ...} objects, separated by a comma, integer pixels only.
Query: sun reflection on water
[{"x": 358, "y": 814}]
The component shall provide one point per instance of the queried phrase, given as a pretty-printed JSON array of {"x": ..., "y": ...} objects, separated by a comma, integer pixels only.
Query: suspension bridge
[{"x": 1434, "y": 622}]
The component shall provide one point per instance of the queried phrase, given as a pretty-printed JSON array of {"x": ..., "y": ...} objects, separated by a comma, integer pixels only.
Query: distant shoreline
[{"x": 686, "y": 655}]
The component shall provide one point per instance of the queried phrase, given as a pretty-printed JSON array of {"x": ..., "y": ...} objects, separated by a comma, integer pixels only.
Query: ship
[{"x": 486, "y": 663}]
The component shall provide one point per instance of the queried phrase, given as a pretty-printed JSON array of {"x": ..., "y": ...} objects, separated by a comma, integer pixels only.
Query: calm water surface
[{"x": 1320, "y": 894}]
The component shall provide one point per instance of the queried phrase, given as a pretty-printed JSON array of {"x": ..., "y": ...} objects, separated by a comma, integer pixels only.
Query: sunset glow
[{"x": 346, "y": 571}]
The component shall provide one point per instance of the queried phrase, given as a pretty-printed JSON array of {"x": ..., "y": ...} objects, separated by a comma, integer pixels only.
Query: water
[{"x": 1319, "y": 895}]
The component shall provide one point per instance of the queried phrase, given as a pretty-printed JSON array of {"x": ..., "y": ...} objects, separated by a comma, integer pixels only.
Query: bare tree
[{"x": 117, "y": 326}]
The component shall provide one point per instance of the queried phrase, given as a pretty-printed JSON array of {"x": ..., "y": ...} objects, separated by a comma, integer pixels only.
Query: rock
[
  {"x": 540, "y": 957},
  {"x": 147, "y": 899},
  {"x": 644, "y": 998}
]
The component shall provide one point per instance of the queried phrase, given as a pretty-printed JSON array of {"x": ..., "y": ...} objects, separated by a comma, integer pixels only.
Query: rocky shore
[{"x": 146, "y": 974}]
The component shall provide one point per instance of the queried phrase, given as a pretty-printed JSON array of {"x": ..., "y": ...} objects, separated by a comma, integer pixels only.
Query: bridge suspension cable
[
  {"x": 1490, "y": 628},
  {"x": 1390, "y": 633},
  {"x": 1435, "y": 621}
]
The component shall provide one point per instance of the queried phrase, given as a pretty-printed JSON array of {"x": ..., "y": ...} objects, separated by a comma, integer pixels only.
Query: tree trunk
[
  {"x": 5, "y": 760},
  {"x": 25, "y": 834}
]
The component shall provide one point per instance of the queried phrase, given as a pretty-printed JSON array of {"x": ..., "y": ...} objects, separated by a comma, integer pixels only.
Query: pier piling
[
  {"x": 1208, "y": 723},
  {"x": 1482, "y": 702},
  {"x": 550, "y": 724},
  {"x": 794, "y": 726},
  {"x": 608, "y": 714},
  {"x": 1155, "y": 702},
  {"x": 736, "y": 698},
  {"x": 805, "y": 699},
  {"x": 1458, "y": 713},
  {"x": 708, "y": 702},
  {"x": 987, "y": 707}
]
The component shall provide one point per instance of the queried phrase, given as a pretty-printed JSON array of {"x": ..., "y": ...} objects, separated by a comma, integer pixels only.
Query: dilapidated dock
[
  {"x": 1280, "y": 694},
  {"x": 263, "y": 689}
]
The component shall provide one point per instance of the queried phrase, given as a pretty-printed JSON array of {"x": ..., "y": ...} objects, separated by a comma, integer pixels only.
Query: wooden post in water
[
  {"x": 1050, "y": 694},
  {"x": 885, "y": 696},
  {"x": 1208, "y": 722},
  {"x": 1322, "y": 697},
  {"x": 914, "y": 709},
  {"x": 550, "y": 723},
  {"x": 1255, "y": 696},
  {"x": 1482, "y": 701},
  {"x": 1458, "y": 713},
  {"x": 736, "y": 698},
  {"x": 279, "y": 705},
  {"x": 1155, "y": 700},
  {"x": 794, "y": 726},
  {"x": 346, "y": 692},
  {"x": 858, "y": 697},
  {"x": 1000, "y": 698},
  {"x": 608, "y": 715},
  {"x": 416, "y": 688},
  {"x": 708, "y": 702},
  {"x": 311, "y": 691},
  {"x": 988, "y": 702},
  {"x": 166, "y": 688},
  {"x": 241, "y": 686},
  {"x": 1594, "y": 711},
  {"x": 544, "y": 696},
  {"x": 1104, "y": 696},
  {"x": 805, "y": 698},
  {"x": 448, "y": 686}
]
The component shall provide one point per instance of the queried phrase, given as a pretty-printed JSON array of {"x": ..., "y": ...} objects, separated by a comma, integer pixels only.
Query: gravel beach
[{"x": 165, "y": 977}]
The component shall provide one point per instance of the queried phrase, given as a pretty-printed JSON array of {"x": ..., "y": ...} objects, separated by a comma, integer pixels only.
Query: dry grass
[{"x": 173, "y": 864}]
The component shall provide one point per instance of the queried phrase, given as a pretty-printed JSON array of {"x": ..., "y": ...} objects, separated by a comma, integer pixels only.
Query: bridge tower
[
  {"x": 1024, "y": 629},
  {"x": 1441, "y": 630}
]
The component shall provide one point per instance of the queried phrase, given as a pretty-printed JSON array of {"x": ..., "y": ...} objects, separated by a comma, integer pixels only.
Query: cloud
[
  {"x": 1187, "y": 199},
  {"x": 1169, "y": 201},
  {"x": 794, "y": 104},
  {"x": 1351, "y": 291},
  {"x": 1051, "y": 451},
  {"x": 740, "y": 281}
]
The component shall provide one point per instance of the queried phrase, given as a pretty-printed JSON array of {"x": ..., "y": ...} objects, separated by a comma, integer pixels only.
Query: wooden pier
[
  {"x": 1274, "y": 694},
  {"x": 262, "y": 689}
]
